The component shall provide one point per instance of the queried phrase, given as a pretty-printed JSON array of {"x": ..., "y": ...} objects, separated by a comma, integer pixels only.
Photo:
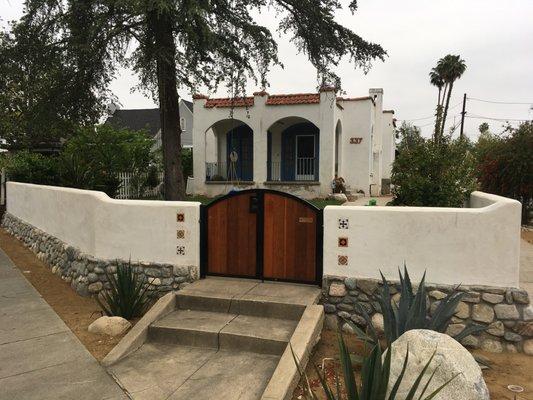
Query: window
[{"x": 183, "y": 124}]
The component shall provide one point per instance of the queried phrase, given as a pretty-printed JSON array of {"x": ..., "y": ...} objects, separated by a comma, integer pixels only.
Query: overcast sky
[{"x": 495, "y": 38}]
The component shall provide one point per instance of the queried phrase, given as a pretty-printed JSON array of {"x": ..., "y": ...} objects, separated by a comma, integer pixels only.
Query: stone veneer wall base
[
  {"x": 87, "y": 274},
  {"x": 506, "y": 312}
]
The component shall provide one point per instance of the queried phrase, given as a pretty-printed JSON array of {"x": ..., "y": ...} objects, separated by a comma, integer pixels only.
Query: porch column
[
  {"x": 260, "y": 139},
  {"x": 327, "y": 139},
  {"x": 198, "y": 149}
]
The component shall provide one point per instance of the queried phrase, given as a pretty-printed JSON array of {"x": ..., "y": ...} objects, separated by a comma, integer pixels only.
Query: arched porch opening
[
  {"x": 229, "y": 151},
  {"x": 293, "y": 150},
  {"x": 338, "y": 148}
]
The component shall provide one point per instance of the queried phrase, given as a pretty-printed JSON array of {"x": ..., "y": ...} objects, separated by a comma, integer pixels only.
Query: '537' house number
[{"x": 356, "y": 140}]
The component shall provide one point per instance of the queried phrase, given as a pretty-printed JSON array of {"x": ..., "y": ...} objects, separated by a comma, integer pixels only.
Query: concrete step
[
  {"x": 249, "y": 297},
  {"x": 248, "y": 305},
  {"x": 224, "y": 331}
]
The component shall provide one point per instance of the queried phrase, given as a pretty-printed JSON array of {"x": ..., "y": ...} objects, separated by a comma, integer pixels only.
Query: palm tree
[
  {"x": 436, "y": 79},
  {"x": 450, "y": 68}
]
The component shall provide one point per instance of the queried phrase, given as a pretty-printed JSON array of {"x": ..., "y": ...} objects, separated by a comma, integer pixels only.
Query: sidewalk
[{"x": 40, "y": 358}]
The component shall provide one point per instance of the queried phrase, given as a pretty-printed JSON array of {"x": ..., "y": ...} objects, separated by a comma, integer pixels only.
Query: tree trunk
[
  {"x": 449, "y": 95},
  {"x": 169, "y": 112},
  {"x": 439, "y": 113}
]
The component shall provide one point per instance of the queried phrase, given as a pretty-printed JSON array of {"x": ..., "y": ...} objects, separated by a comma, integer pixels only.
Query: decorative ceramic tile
[
  {"x": 180, "y": 217},
  {"x": 180, "y": 250},
  {"x": 342, "y": 260},
  {"x": 343, "y": 242},
  {"x": 180, "y": 234},
  {"x": 344, "y": 223}
]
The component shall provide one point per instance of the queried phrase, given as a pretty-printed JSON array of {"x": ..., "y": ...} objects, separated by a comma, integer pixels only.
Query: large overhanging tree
[{"x": 192, "y": 43}]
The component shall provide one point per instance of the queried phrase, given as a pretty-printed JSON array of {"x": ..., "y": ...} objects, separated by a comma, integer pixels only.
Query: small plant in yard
[
  {"x": 375, "y": 375},
  {"x": 127, "y": 297},
  {"x": 412, "y": 312}
]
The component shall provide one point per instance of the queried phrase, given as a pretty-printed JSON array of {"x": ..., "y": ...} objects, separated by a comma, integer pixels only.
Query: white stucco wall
[
  {"x": 389, "y": 144},
  {"x": 106, "y": 228},
  {"x": 474, "y": 246},
  {"x": 357, "y": 120}
]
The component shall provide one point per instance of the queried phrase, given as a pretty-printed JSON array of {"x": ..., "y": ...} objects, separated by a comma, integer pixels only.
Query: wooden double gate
[{"x": 262, "y": 234}]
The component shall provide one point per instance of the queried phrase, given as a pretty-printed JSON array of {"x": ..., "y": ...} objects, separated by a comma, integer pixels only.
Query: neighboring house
[
  {"x": 292, "y": 142},
  {"x": 148, "y": 118}
]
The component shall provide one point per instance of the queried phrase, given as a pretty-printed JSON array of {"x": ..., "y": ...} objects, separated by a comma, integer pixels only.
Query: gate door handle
[{"x": 254, "y": 204}]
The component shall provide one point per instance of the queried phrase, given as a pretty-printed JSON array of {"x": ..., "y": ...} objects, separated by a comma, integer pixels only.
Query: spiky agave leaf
[
  {"x": 126, "y": 296},
  {"x": 350, "y": 383}
]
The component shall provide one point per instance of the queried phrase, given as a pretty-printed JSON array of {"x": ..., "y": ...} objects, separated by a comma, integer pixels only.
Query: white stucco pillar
[
  {"x": 199, "y": 145},
  {"x": 260, "y": 138},
  {"x": 328, "y": 104}
]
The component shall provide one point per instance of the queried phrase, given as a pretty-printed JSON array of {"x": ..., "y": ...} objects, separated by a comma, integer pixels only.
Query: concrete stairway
[
  {"x": 223, "y": 330},
  {"x": 218, "y": 338}
]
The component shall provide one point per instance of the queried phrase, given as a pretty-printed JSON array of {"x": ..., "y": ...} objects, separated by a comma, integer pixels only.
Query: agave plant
[
  {"x": 375, "y": 375},
  {"x": 127, "y": 295},
  {"x": 412, "y": 312}
]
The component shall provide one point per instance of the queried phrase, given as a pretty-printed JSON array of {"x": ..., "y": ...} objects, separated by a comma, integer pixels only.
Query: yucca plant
[
  {"x": 412, "y": 312},
  {"x": 375, "y": 375},
  {"x": 127, "y": 297}
]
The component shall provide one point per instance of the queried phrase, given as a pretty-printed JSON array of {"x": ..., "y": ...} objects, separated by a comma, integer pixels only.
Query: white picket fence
[{"x": 128, "y": 191}]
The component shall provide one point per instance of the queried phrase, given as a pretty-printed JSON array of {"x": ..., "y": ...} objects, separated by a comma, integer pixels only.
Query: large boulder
[
  {"x": 451, "y": 359},
  {"x": 112, "y": 326},
  {"x": 338, "y": 197}
]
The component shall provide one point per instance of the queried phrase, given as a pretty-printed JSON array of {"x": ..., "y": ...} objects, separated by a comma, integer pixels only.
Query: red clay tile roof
[
  {"x": 354, "y": 98},
  {"x": 285, "y": 99},
  {"x": 275, "y": 100},
  {"x": 228, "y": 102}
]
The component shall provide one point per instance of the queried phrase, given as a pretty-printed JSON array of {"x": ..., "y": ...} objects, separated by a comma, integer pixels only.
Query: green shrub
[
  {"x": 127, "y": 296},
  {"x": 186, "y": 163},
  {"x": 28, "y": 167},
  {"x": 432, "y": 174},
  {"x": 95, "y": 156},
  {"x": 412, "y": 312},
  {"x": 505, "y": 165},
  {"x": 375, "y": 375}
]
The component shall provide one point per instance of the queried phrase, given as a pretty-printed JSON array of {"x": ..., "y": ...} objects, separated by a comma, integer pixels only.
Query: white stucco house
[{"x": 292, "y": 142}]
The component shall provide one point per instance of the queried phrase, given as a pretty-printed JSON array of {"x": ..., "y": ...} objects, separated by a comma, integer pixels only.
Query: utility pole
[{"x": 463, "y": 116}]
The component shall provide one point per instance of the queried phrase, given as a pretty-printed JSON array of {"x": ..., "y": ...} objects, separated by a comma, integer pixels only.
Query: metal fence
[{"x": 306, "y": 169}]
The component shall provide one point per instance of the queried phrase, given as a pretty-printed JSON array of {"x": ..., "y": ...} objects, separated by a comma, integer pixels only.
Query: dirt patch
[
  {"x": 506, "y": 368},
  {"x": 527, "y": 235},
  {"x": 77, "y": 312}
]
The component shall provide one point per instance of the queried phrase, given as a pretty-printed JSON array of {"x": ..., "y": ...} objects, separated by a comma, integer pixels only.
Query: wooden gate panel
[
  {"x": 290, "y": 233},
  {"x": 232, "y": 237}
]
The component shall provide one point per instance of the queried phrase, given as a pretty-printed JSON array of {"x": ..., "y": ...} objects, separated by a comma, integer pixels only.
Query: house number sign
[{"x": 356, "y": 140}]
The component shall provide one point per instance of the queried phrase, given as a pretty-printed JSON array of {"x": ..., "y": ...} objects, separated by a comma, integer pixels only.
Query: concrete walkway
[
  {"x": 223, "y": 339},
  {"x": 40, "y": 358}
]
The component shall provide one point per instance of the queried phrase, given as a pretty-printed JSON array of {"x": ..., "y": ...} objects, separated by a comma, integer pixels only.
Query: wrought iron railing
[
  {"x": 223, "y": 171},
  {"x": 216, "y": 171},
  {"x": 305, "y": 169}
]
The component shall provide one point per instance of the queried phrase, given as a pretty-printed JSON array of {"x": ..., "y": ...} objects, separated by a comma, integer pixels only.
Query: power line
[
  {"x": 431, "y": 116},
  {"x": 495, "y": 119},
  {"x": 499, "y": 102}
]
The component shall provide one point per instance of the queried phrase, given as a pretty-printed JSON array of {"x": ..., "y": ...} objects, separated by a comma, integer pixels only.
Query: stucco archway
[
  {"x": 338, "y": 148},
  {"x": 293, "y": 150},
  {"x": 225, "y": 137}
]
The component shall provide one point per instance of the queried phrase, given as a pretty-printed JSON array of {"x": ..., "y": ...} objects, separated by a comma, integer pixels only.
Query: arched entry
[
  {"x": 262, "y": 234},
  {"x": 224, "y": 138},
  {"x": 293, "y": 150}
]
